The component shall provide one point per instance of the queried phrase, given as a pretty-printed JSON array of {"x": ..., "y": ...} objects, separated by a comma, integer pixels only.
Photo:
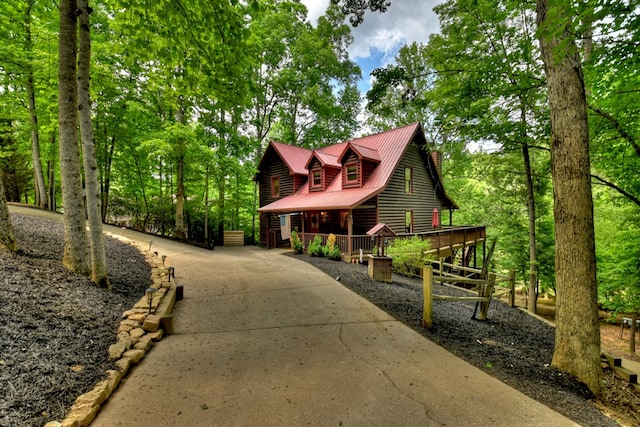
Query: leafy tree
[
  {"x": 92, "y": 190},
  {"x": 577, "y": 345},
  {"x": 75, "y": 256}
]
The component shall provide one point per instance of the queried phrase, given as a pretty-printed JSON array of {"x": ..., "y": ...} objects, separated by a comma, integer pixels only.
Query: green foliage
[
  {"x": 296, "y": 243},
  {"x": 331, "y": 250},
  {"x": 409, "y": 255},
  {"x": 618, "y": 252},
  {"x": 315, "y": 247}
]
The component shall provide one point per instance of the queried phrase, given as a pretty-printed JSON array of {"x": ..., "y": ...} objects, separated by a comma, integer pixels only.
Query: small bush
[
  {"x": 335, "y": 254},
  {"x": 331, "y": 250},
  {"x": 409, "y": 255},
  {"x": 296, "y": 243},
  {"x": 315, "y": 247}
]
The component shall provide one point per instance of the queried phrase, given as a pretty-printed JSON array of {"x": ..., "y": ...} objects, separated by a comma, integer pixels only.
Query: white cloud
[
  {"x": 378, "y": 39},
  {"x": 316, "y": 9}
]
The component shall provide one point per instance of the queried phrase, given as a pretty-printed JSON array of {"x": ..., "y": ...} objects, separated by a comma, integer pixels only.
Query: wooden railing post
[
  {"x": 487, "y": 291},
  {"x": 427, "y": 285}
]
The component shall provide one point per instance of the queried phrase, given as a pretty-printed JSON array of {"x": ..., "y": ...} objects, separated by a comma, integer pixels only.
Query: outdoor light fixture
[{"x": 149, "y": 292}]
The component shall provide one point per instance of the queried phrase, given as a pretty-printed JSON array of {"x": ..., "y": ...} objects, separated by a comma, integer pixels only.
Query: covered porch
[{"x": 350, "y": 227}]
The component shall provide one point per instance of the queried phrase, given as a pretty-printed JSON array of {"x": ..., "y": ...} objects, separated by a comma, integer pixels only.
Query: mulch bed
[
  {"x": 510, "y": 345},
  {"x": 56, "y": 326}
]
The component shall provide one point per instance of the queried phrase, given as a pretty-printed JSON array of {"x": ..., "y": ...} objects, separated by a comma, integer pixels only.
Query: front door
[{"x": 314, "y": 222}]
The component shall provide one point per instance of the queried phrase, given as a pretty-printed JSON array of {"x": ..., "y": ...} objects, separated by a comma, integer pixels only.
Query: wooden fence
[{"x": 486, "y": 287}]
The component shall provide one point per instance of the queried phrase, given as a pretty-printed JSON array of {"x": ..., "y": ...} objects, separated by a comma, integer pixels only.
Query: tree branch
[
  {"x": 618, "y": 127},
  {"x": 618, "y": 189}
]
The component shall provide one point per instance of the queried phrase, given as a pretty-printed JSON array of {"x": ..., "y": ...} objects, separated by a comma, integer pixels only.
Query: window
[
  {"x": 316, "y": 178},
  {"x": 408, "y": 180},
  {"x": 352, "y": 173},
  {"x": 275, "y": 187},
  {"x": 408, "y": 221}
]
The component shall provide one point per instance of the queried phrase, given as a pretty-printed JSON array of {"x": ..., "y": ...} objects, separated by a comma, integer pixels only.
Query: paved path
[{"x": 262, "y": 339}]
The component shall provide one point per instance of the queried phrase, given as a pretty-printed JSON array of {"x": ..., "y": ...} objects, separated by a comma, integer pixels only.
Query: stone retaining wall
[{"x": 136, "y": 334}]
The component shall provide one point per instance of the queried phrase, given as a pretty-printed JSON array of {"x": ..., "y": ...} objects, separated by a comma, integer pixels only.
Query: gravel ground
[
  {"x": 55, "y": 326},
  {"x": 510, "y": 345}
]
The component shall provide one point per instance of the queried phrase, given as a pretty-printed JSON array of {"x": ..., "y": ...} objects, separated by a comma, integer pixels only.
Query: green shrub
[
  {"x": 409, "y": 255},
  {"x": 296, "y": 243},
  {"x": 331, "y": 250},
  {"x": 334, "y": 254},
  {"x": 315, "y": 247}
]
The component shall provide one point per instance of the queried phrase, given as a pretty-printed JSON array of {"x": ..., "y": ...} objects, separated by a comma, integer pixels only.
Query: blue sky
[{"x": 379, "y": 38}]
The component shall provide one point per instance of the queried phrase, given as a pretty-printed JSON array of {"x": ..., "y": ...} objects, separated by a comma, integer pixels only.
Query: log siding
[{"x": 394, "y": 202}]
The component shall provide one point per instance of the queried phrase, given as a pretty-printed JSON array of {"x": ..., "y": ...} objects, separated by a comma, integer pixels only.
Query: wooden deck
[{"x": 444, "y": 241}]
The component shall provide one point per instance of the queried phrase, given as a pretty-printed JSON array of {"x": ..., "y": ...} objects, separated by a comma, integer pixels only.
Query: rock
[
  {"x": 145, "y": 343},
  {"x": 116, "y": 350},
  {"x": 130, "y": 322},
  {"x": 82, "y": 414},
  {"x": 151, "y": 323},
  {"x": 125, "y": 337},
  {"x": 135, "y": 355},
  {"x": 124, "y": 328},
  {"x": 138, "y": 317},
  {"x": 157, "y": 335},
  {"x": 135, "y": 334},
  {"x": 123, "y": 366}
]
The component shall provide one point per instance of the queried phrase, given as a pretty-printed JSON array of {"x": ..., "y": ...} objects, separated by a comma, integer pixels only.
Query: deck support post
[{"x": 427, "y": 291}]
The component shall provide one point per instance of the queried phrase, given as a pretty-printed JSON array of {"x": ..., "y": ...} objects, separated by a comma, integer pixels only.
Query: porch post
[{"x": 350, "y": 233}]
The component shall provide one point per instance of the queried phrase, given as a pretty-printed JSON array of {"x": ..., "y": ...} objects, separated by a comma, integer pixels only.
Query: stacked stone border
[{"x": 139, "y": 329}]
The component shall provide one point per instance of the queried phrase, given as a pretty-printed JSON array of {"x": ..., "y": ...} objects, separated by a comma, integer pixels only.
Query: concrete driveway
[{"x": 262, "y": 339}]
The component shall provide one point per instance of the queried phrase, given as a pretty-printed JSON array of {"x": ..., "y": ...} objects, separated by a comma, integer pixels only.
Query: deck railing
[{"x": 445, "y": 237}]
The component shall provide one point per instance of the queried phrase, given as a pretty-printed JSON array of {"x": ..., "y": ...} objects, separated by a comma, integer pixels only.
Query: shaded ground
[
  {"x": 55, "y": 329},
  {"x": 55, "y": 326},
  {"x": 511, "y": 345}
]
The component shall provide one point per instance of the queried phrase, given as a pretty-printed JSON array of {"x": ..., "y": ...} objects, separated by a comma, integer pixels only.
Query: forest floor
[{"x": 56, "y": 327}]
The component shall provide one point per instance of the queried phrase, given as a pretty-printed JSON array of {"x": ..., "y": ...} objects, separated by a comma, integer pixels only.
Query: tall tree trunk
[
  {"x": 75, "y": 256},
  {"x": 105, "y": 188},
  {"x": 531, "y": 209},
  {"x": 99, "y": 272},
  {"x": 179, "y": 230},
  {"x": 577, "y": 343},
  {"x": 206, "y": 204},
  {"x": 634, "y": 328},
  {"x": 221, "y": 205},
  {"x": 41, "y": 191},
  {"x": 51, "y": 172},
  {"x": 7, "y": 235}
]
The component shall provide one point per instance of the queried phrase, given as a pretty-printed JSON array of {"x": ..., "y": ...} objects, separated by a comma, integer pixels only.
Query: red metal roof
[
  {"x": 363, "y": 152},
  {"x": 388, "y": 146},
  {"x": 325, "y": 159},
  {"x": 295, "y": 157}
]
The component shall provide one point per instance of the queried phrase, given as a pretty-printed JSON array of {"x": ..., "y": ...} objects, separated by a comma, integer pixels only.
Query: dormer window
[
  {"x": 316, "y": 179},
  {"x": 351, "y": 175}
]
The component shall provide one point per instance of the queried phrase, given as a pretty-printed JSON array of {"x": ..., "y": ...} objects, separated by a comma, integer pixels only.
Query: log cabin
[{"x": 350, "y": 188}]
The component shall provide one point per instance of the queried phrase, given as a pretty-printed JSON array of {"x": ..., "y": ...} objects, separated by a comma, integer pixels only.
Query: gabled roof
[
  {"x": 324, "y": 159},
  {"x": 388, "y": 147},
  {"x": 362, "y": 152},
  {"x": 294, "y": 157}
]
